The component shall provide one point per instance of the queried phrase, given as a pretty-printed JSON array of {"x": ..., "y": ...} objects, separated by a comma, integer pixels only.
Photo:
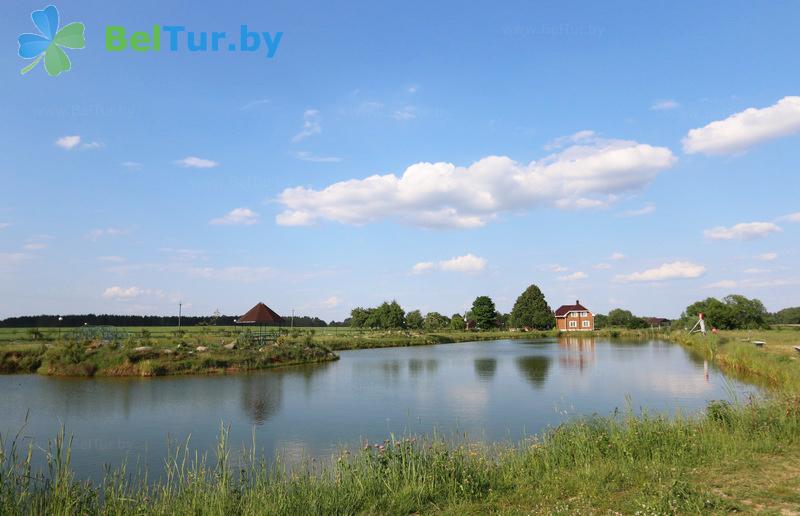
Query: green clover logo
[{"x": 48, "y": 44}]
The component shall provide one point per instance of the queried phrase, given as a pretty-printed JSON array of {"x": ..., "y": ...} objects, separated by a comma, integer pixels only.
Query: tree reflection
[
  {"x": 261, "y": 396},
  {"x": 534, "y": 369},
  {"x": 485, "y": 368}
]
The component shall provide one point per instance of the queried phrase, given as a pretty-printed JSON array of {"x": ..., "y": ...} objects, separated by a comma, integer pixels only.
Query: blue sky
[{"x": 629, "y": 156}]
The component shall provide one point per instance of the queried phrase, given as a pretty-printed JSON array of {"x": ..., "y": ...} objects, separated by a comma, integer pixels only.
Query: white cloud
[
  {"x": 195, "y": 162},
  {"x": 412, "y": 89},
  {"x": 722, "y": 284},
  {"x": 35, "y": 246},
  {"x": 311, "y": 125},
  {"x": 601, "y": 266},
  {"x": 575, "y": 276},
  {"x": 92, "y": 145},
  {"x": 667, "y": 271},
  {"x": 468, "y": 263},
  {"x": 583, "y": 136},
  {"x": 421, "y": 267},
  {"x": 68, "y": 142},
  {"x": 767, "y": 257},
  {"x": 307, "y": 156},
  {"x": 4, "y": 225},
  {"x": 124, "y": 293},
  {"x": 238, "y": 273},
  {"x": 111, "y": 259},
  {"x": 96, "y": 234},
  {"x": 665, "y": 104},
  {"x": 756, "y": 270},
  {"x": 332, "y": 302},
  {"x": 791, "y": 217},
  {"x": 558, "y": 268},
  {"x": 237, "y": 217},
  {"x": 407, "y": 113},
  {"x": 742, "y": 130},
  {"x": 446, "y": 196},
  {"x": 742, "y": 231},
  {"x": 616, "y": 255},
  {"x": 133, "y": 165},
  {"x": 645, "y": 210}
]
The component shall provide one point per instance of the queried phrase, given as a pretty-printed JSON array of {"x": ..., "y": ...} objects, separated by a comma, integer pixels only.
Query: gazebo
[{"x": 262, "y": 316}]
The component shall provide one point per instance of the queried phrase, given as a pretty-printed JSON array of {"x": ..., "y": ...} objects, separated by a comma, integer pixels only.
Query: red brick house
[{"x": 574, "y": 318}]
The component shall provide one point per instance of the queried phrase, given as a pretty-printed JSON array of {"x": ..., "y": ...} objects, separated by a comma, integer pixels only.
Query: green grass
[{"x": 646, "y": 465}]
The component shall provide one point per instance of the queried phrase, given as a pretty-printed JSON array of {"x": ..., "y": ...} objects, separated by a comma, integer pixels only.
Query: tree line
[
  {"x": 530, "y": 311},
  {"x": 73, "y": 321}
]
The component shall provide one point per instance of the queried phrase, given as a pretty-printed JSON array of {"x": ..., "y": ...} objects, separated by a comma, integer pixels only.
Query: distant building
[
  {"x": 574, "y": 318},
  {"x": 658, "y": 322}
]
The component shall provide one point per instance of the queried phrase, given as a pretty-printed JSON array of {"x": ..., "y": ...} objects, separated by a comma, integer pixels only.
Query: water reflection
[
  {"x": 534, "y": 369},
  {"x": 417, "y": 366},
  {"x": 578, "y": 352},
  {"x": 485, "y": 368},
  {"x": 261, "y": 396}
]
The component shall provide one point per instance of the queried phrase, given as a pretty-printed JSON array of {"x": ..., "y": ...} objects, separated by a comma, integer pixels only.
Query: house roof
[
  {"x": 565, "y": 309},
  {"x": 260, "y": 314}
]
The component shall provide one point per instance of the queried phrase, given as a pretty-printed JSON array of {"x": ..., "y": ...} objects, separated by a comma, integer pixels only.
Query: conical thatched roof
[{"x": 260, "y": 314}]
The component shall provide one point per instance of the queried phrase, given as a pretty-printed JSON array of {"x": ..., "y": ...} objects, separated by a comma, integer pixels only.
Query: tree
[
  {"x": 734, "y": 312},
  {"x": 532, "y": 311},
  {"x": 484, "y": 313},
  {"x": 359, "y": 317},
  {"x": 600, "y": 321},
  {"x": 624, "y": 319},
  {"x": 414, "y": 320},
  {"x": 747, "y": 313},
  {"x": 435, "y": 321},
  {"x": 787, "y": 316},
  {"x": 390, "y": 315},
  {"x": 457, "y": 322}
]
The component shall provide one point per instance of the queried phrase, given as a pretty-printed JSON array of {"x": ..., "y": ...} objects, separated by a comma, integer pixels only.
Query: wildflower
[{"x": 48, "y": 44}]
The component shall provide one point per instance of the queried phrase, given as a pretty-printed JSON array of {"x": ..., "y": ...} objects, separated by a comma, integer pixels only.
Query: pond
[{"x": 493, "y": 390}]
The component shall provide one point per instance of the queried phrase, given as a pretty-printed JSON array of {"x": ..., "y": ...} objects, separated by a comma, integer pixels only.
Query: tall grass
[{"x": 647, "y": 464}]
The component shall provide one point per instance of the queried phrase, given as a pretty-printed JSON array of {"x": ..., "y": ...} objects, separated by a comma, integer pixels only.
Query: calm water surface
[{"x": 497, "y": 390}]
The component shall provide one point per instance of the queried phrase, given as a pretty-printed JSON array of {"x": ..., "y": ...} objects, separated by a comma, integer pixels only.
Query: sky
[{"x": 623, "y": 154}]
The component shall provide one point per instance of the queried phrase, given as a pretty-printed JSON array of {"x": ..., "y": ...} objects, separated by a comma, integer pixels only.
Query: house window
[
  {"x": 586, "y": 324},
  {"x": 573, "y": 324},
  {"x": 573, "y": 314}
]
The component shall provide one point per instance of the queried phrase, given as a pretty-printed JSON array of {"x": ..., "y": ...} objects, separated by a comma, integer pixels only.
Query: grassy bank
[
  {"x": 169, "y": 351},
  {"x": 96, "y": 358},
  {"x": 730, "y": 459}
]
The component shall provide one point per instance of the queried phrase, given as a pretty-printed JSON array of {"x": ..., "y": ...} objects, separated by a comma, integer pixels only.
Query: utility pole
[{"x": 180, "y": 309}]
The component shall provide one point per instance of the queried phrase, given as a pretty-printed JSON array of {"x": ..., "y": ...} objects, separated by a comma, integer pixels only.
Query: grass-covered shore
[
  {"x": 734, "y": 457},
  {"x": 168, "y": 351}
]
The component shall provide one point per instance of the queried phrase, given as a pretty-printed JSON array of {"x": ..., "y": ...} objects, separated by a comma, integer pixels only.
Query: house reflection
[
  {"x": 534, "y": 369},
  {"x": 576, "y": 352}
]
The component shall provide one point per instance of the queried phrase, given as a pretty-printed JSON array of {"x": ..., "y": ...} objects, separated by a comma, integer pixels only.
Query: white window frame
[
  {"x": 587, "y": 324},
  {"x": 573, "y": 324}
]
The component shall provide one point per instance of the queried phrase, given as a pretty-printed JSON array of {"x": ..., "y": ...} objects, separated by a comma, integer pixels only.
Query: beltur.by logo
[
  {"x": 176, "y": 38},
  {"x": 51, "y": 41}
]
